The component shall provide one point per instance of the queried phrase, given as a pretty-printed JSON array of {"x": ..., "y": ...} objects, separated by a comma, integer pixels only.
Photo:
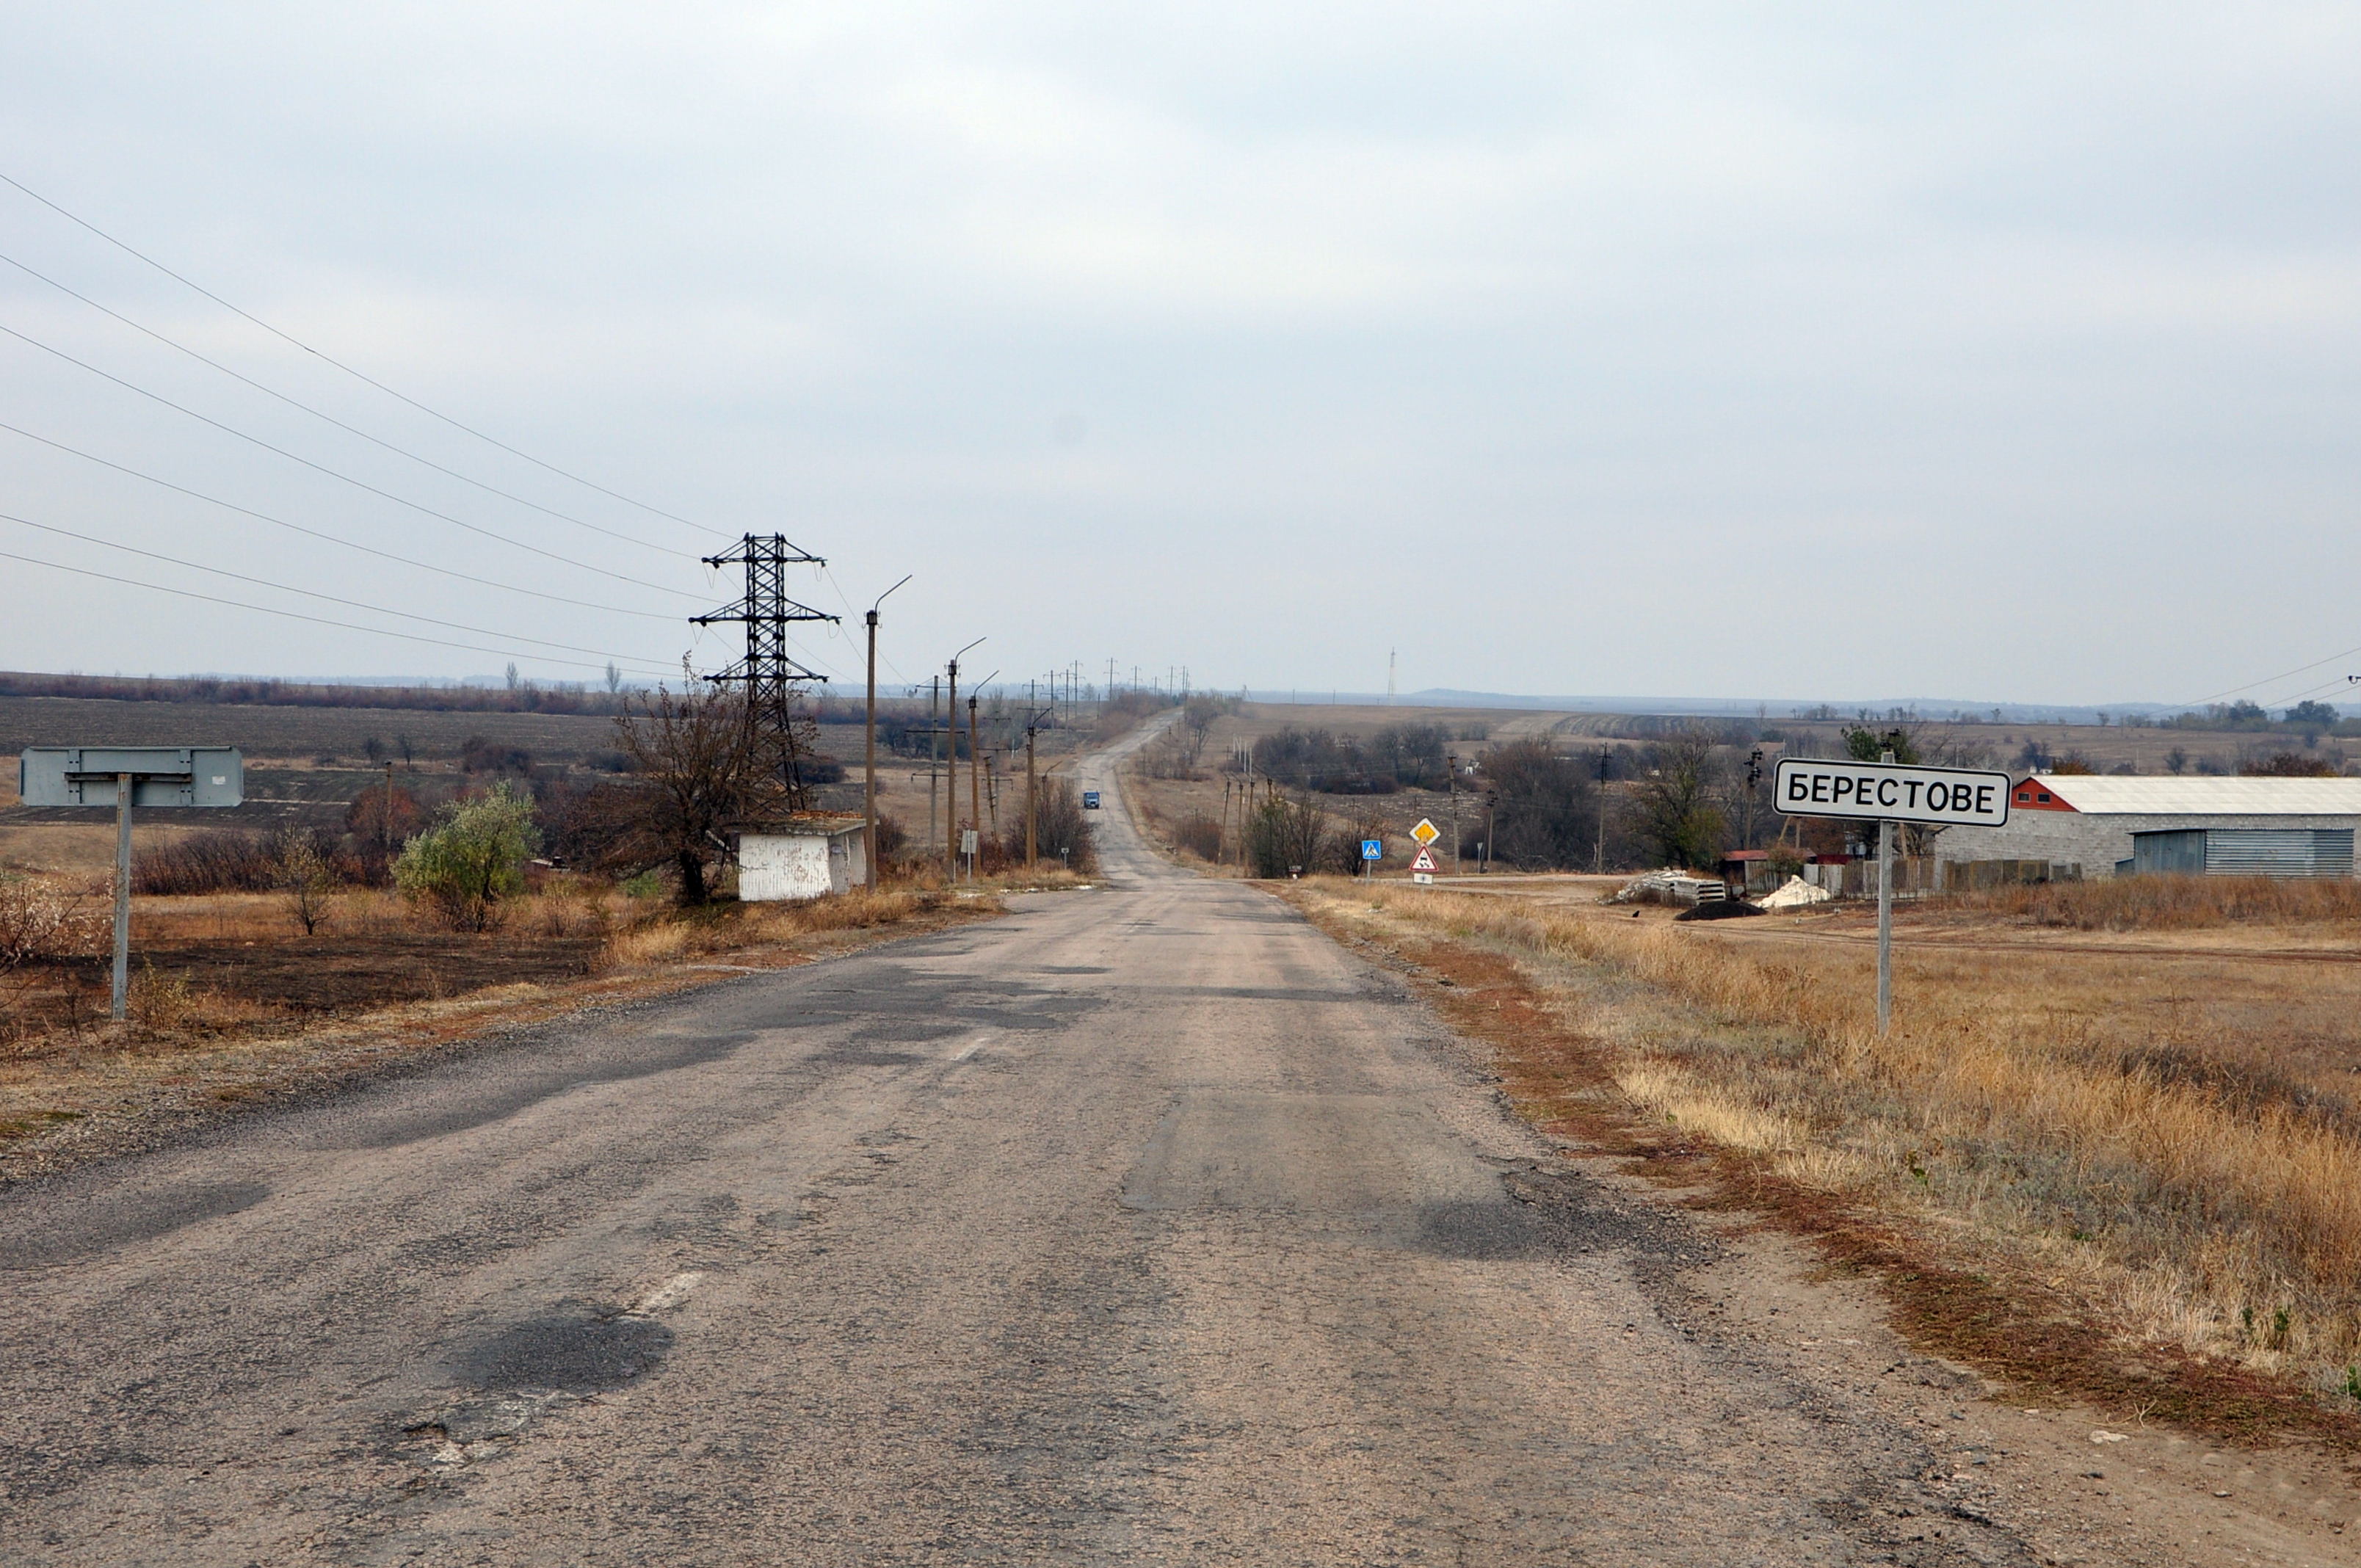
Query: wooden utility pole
[
  {"x": 385, "y": 827},
  {"x": 934, "y": 745},
  {"x": 1032, "y": 816},
  {"x": 949, "y": 791},
  {"x": 1452, "y": 762},
  {"x": 869, "y": 763},
  {"x": 950, "y": 779},
  {"x": 1598, "y": 863}
]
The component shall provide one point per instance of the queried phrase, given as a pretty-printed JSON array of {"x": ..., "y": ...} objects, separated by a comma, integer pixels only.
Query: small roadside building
[
  {"x": 807, "y": 855},
  {"x": 2111, "y": 824}
]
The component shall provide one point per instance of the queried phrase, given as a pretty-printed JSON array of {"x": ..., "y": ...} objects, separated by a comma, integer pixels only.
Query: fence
[{"x": 1922, "y": 876}]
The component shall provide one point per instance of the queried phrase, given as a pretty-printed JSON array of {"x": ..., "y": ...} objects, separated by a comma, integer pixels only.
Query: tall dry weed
[
  {"x": 2169, "y": 902},
  {"x": 665, "y": 936}
]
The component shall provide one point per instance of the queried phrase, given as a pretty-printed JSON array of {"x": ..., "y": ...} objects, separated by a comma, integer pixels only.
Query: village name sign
[{"x": 1891, "y": 792}]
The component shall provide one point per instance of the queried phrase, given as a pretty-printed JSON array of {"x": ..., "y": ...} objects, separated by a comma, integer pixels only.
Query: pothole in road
[{"x": 566, "y": 1356}]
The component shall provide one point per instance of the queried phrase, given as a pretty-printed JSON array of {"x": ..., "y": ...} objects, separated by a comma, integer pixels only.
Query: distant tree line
[
  {"x": 522, "y": 697},
  {"x": 1400, "y": 756}
]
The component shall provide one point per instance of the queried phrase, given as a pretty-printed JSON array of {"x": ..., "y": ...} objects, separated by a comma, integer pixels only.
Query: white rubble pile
[
  {"x": 1667, "y": 887},
  {"x": 1795, "y": 893}
]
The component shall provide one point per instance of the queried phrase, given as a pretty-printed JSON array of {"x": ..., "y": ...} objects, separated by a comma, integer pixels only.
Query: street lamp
[{"x": 869, "y": 807}]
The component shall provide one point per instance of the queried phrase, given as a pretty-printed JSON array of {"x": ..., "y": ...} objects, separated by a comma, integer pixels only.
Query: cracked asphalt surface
[{"x": 1144, "y": 1225}]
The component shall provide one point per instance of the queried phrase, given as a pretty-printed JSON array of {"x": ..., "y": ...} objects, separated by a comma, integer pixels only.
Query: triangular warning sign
[{"x": 1425, "y": 861}]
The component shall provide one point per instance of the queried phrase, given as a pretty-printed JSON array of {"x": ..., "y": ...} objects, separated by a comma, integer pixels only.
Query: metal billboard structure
[
  {"x": 123, "y": 777},
  {"x": 768, "y": 672}
]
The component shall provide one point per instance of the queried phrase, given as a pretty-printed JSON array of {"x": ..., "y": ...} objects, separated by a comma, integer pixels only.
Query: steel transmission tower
[{"x": 768, "y": 672}]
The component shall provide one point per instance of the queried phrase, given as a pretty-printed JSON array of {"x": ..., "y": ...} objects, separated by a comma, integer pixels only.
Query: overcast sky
[{"x": 1989, "y": 352}]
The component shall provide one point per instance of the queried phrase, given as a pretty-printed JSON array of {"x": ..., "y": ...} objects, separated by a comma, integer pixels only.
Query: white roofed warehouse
[{"x": 2115, "y": 826}]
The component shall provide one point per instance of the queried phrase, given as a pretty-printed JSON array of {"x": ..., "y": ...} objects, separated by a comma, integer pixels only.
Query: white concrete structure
[
  {"x": 2077, "y": 819},
  {"x": 804, "y": 857}
]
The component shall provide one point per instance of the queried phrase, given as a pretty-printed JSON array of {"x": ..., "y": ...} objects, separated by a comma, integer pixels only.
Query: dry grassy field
[
  {"x": 2137, "y": 1105},
  {"x": 231, "y": 1003}
]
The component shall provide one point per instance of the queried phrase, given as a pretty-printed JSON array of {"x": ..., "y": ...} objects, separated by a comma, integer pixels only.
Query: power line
[
  {"x": 293, "y": 615},
  {"x": 338, "y": 363},
  {"x": 331, "y": 419},
  {"x": 329, "y": 538},
  {"x": 2283, "y": 674},
  {"x": 307, "y": 593},
  {"x": 333, "y": 474}
]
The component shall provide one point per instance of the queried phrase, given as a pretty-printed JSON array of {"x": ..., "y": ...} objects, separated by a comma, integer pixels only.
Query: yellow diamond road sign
[{"x": 1425, "y": 832}]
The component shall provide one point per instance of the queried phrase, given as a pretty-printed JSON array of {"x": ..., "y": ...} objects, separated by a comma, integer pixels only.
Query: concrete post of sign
[
  {"x": 1886, "y": 918},
  {"x": 122, "y": 1001}
]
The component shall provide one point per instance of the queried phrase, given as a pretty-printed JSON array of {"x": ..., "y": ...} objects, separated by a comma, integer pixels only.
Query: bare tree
[
  {"x": 1197, "y": 717},
  {"x": 704, "y": 769},
  {"x": 1674, "y": 797},
  {"x": 1918, "y": 744},
  {"x": 307, "y": 877},
  {"x": 1288, "y": 836}
]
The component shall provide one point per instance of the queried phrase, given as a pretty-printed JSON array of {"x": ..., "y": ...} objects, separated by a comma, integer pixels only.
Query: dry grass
[
  {"x": 2169, "y": 902},
  {"x": 669, "y": 936},
  {"x": 2162, "y": 1175}
]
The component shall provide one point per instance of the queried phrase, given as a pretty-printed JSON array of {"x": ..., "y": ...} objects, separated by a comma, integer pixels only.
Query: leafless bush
[
  {"x": 1166, "y": 757},
  {"x": 223, "y": 859},
  {"x": 1285, "y": 837},
  {"x": 1201, "y": 836},
  {"x": 1060, "y": 831},
  {"x": 39, "y": 924},
  {"x": 307, "y": 880}
]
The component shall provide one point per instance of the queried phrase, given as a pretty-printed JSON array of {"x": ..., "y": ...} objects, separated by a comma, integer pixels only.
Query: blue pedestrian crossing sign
[{"x": 1373, "y": 849}]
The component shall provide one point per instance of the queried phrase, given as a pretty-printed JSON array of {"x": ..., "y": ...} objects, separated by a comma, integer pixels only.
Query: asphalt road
[{"x": 1144, "y": 1225}]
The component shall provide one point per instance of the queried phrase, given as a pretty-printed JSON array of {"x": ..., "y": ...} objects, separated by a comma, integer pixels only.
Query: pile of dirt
[{"x": 1718, "y": 909}]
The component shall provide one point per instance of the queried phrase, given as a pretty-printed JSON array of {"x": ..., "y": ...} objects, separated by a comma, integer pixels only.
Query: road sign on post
[
  {"x": 1426, "y": 833},
  {"x": 1888, "y": 793},
  {"x": 123, "y": 777}
]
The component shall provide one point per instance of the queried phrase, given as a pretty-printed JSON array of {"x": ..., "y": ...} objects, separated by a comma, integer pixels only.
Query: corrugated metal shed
[
  {"x": 2169, "y": 849},
  {"x": 2206, "y": 797},
  {"x": 2278, "y": 851},
  {"x": 2243, "y": 851}
]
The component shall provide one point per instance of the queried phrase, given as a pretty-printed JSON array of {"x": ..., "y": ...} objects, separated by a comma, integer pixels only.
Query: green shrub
[{"x": 470, "y": 862}]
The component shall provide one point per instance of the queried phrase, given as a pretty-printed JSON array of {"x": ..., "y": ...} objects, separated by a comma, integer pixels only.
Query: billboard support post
[
  {"x": 142, "y": 775},
  {"x": 120, "y": 1004}
]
